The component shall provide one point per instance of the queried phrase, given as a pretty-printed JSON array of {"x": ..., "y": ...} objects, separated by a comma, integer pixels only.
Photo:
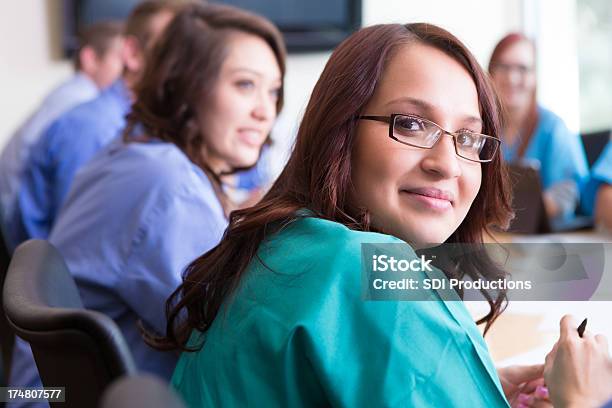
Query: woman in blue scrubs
[
  {"x": 534, "y": 135},
  {"x": 398, "y": 147}
]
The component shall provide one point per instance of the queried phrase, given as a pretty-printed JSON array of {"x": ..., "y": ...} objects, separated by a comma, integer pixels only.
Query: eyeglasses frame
[{"x": 390, "y": 120}]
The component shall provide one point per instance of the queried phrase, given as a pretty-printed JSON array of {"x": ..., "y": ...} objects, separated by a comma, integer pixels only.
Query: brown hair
[
  {"x": 531, "y": 121},
  {"x": 181, "y": 70},
  {"x": 99, "y": 36},
  {"x": 318, "y": 176}
]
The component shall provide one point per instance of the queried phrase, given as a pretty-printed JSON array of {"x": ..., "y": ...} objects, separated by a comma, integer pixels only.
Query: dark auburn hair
[
  {"x": 531, "y": 122},
  {"x": 181, "y": 71},
  {"x": 318, "y": 177}
]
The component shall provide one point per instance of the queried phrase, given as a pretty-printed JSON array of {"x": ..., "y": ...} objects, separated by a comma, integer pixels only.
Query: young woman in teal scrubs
[{"x": 274, "y": 315}]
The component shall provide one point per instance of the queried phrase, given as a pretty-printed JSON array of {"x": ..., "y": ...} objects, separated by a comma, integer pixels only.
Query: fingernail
[
  {"x": 521, "y": 406},
  {"x": 541, "y": 391},
  {"x": 523, "y": 398}
]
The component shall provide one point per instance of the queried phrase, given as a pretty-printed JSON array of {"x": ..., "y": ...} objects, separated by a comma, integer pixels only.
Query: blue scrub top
[
  {"x": 601, "y": 173},
  {"x": 16, "y": 154},
  {"x": 136, "y": 216},
  {"x": 66, "y": 146},
  {"x": 557, "y": 151}
]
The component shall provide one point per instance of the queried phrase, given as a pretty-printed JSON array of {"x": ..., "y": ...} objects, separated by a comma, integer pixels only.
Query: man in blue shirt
[
  {"x": 78, "y": 134},
  {"x": 98, "y": 63},
  {"x": 69, "y": 143}
]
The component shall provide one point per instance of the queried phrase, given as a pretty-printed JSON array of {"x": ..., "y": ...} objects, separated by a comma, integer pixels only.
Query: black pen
[{"x": 582, "y": 327}]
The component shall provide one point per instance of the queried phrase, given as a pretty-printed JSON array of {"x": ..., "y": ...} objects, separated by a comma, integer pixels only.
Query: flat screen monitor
[{"x": 312, "y": 25}]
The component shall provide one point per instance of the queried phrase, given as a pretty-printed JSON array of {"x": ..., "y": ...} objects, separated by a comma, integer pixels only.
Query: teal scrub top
[{"x": 299, "y": 334}]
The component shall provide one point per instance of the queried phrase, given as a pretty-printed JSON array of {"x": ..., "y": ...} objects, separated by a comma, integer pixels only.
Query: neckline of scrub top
[{"x": 457, "y": 310}]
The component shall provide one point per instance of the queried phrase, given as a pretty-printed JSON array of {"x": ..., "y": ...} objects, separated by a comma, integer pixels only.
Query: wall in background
[
  {"x": 553, "y": 24},
  {"x": 479, "y": 24},
  {"x": 30, "y": 58},
  {"x": 30, "y": 66}
]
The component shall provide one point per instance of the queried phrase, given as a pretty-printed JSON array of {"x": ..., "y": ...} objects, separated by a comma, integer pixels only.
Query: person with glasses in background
[
  {"x": 535, "y": 135},
  {"x": 399, "y": 145},
  {"x": 98, "y": 62}
]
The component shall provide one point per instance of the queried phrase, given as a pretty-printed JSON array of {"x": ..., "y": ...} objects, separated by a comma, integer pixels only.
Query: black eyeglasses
[
  {"x": 423, "y": 133},
  {"x": 508, "y": 68}
]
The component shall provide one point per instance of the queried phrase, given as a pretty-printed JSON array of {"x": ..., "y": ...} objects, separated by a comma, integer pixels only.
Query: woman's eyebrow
[
  {"x": 244, "y": 69},
  {"x": 251, "y": 71},
  {"x": 429, "y": 108}
]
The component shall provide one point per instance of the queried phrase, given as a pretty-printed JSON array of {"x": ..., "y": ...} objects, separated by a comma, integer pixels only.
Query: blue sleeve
[
  {"x": 258, "y": 176},
  {"x": 173, "y": 233},
  {"x": 73, "y": 146},
  {"x": 64, "y": 148},
  {"x": 34, "y": 204},
  {"x": 565, "y": 157},
  {"x": 600, "y": 173}
]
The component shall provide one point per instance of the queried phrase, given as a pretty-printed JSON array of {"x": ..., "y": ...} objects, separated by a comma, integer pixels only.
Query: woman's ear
[{"x": 88, "y": 61}]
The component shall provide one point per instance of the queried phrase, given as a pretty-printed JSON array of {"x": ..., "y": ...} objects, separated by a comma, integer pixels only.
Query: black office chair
[
  {"x": 594, "y": 143},
  {"x": 79, "y": 349},
  {"x": 141, "y": 391},
  {"x": 7, "y": 337}
]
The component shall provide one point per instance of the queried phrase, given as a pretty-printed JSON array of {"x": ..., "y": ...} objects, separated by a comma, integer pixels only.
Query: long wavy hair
[
  {"x": 318, "y": 177},
  {"x": 180, "y": 74}
]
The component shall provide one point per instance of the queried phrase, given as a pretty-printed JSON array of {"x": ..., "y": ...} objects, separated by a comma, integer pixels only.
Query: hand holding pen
[{"x": 578, "y": 370}]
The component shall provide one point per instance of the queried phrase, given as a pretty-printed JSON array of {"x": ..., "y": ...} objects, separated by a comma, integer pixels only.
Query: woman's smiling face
[{"x": 418, "y": 195}]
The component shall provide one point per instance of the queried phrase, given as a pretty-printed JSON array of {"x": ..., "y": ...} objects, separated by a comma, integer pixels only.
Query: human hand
[
  {"x": 524, "y": 386},
  {"x": 578, "y": 371}
]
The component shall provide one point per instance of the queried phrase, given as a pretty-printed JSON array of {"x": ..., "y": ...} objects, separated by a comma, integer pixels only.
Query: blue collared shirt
[
  {"x": 78, "y": 89},
  {"x": 66, "y": 145},
  {"x": 601, "y": 173},
  {"x": 136, "y": 216}
]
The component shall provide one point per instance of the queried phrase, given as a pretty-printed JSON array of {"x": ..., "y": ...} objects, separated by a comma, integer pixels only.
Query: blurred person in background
[
  {"x": 533, "y": 134},
  {"x": 597, "y": 194},
  {"x": 149, "y": 203},
  {"x": 98, "y": 63},
  {"x": 72, "y": 139}
]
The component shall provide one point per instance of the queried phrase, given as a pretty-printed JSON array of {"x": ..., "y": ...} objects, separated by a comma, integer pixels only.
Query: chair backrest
[
  {"x": 7, "y": 336},
  {"x": 594, "y": 143},
  {"x": 79, "y": 349},
  {"x": 141, "y": 391}
]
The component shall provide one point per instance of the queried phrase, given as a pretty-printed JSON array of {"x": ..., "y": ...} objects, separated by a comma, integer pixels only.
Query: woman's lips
[
  {"x": 251, "y": 137},
  {"x": 431, "y": 198}
]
